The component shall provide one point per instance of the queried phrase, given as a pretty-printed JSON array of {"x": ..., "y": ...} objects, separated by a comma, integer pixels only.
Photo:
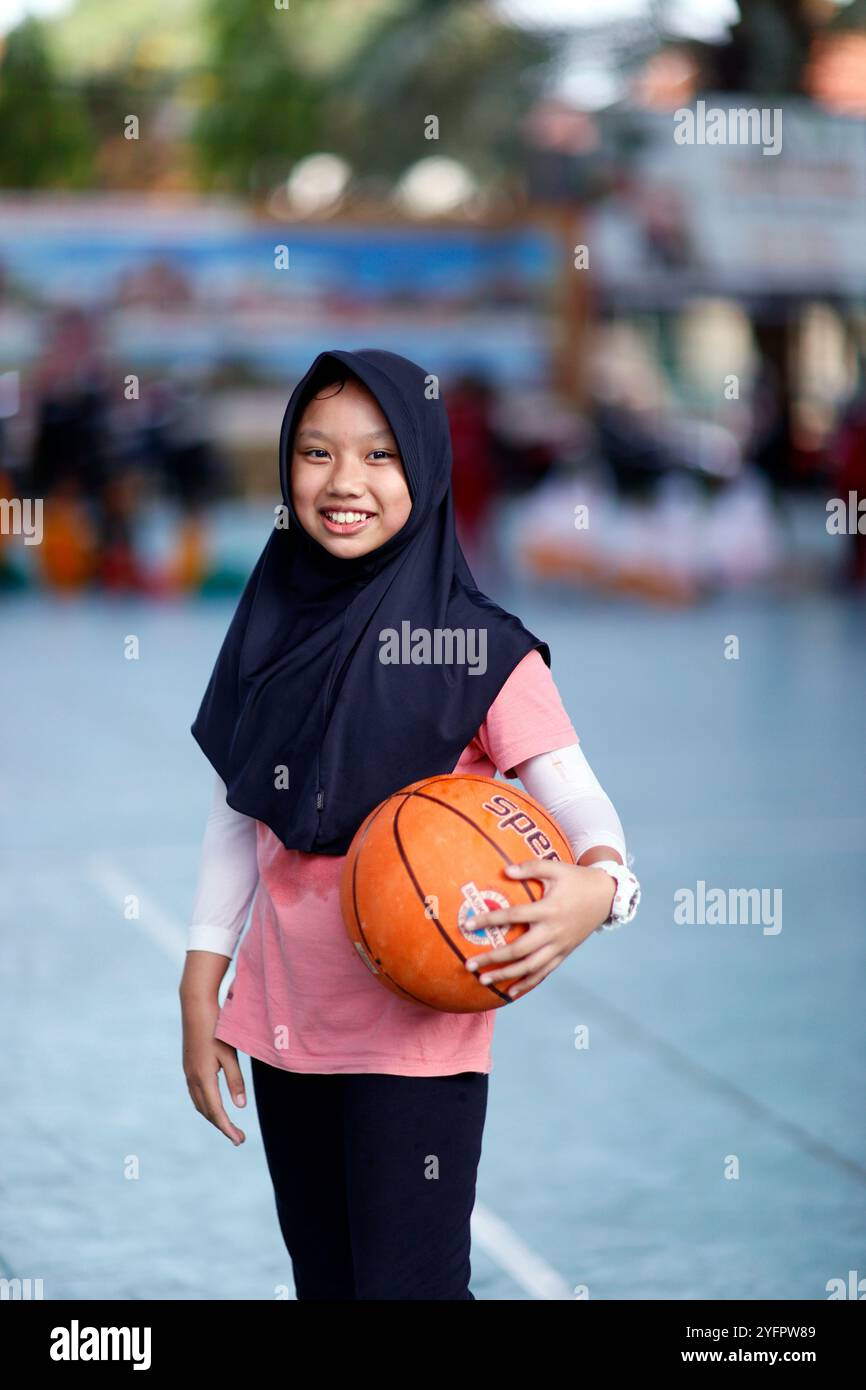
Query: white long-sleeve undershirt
[
  {"x": 562, "y": 781},
  {"x": 227, "y": 878}
]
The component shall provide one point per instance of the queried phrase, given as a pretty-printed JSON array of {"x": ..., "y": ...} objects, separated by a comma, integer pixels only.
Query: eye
[
  {"x": 386, "y": 453},
  {"x": 308, "y": 452}
]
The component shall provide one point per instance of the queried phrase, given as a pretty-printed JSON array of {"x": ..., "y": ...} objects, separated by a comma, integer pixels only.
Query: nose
[{"x": 346, "y": 477}]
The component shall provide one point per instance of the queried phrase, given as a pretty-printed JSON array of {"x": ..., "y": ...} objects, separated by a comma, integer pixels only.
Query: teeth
[{"x": 342, "y": 518}]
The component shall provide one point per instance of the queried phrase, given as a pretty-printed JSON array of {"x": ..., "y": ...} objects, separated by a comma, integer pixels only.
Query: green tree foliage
[
  {"x": 47, "y": 139},
  {"x": 103, "y": 37},
  {"x": 260, "y": 100},
  {"x": 453, "y": 59},
  {"x": 360, "y": 82}
]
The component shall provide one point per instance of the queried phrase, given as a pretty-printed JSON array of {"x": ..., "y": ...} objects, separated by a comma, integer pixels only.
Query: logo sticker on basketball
[
  {"x": 476, "y": 900},
  {"x": 513, "y": 817}
]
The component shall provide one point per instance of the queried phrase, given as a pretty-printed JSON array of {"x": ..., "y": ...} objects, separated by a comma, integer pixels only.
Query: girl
[{"x": 358, "y": 1090}]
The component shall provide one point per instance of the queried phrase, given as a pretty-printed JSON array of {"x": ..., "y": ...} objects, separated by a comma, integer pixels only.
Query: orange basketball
[{"x": 422, "y": 864}]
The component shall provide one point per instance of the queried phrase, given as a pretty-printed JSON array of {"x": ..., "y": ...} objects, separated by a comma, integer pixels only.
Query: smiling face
[{"x": 349, "y": 489}]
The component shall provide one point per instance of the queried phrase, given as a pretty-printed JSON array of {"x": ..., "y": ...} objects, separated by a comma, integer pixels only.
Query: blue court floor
[{"x": 713, "y": 1048}]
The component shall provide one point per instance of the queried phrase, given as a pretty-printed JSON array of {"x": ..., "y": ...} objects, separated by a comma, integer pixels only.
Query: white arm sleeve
[
  {"x": 567, "y": 787},
  {"x": 227, "y": 880}
]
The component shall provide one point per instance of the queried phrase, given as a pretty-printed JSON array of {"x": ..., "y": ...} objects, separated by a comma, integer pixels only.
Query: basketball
[{"x": 422, "y": 864}]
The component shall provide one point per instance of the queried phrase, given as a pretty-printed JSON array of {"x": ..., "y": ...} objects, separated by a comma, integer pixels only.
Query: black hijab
[{"x": 299, "y": 693}]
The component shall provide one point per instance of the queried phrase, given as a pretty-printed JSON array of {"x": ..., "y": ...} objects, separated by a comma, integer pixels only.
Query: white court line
[
  {"x": 526, "y": 1268},
  {"x": 165, "y": 931},
  {"x": 494, "y": 1235}
]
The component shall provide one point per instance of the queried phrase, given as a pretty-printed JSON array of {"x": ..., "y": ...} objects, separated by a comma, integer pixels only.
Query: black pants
[{"x": 374, "y": 1178}]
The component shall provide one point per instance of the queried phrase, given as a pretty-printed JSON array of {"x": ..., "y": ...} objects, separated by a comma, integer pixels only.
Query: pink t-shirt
[{"x": 301, "y": 997}]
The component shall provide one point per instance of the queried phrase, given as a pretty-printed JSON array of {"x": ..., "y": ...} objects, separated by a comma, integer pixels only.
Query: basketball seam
[
  {"x": 518, "y": 883},
  {"x": 476, "y": 777},
  {"x": 416, "y": 885},
  {"x": 358, "y": 923}
]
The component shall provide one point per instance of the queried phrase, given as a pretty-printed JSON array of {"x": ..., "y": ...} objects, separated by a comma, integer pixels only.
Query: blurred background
[
  {"x": 212, "y": 191},
  {"x": 652, "y": 353}
]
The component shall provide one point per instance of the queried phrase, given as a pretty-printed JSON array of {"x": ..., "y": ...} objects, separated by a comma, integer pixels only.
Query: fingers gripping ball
[{"x": 422, "y": 865}]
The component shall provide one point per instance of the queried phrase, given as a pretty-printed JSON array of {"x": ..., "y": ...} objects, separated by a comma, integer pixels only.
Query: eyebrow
[{"x": 319, "y": 434}]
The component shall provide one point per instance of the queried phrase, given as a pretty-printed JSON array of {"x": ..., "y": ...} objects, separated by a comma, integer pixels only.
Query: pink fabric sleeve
[{"x": 526, "y": 718}]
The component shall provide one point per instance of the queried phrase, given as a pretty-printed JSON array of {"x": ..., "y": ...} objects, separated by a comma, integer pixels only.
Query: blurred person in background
[
  {"x": 475, "y": 479},
  {"x": 492, "y": 460},
  {"x": 69, "y": 394},
  {"x": 849, "y": 475},
  {"x": 75, "y": 464},
  {"x": 177, "y": 444},
  {"x": 631, "y": 444},
  {"x": 771, "y": 445}
]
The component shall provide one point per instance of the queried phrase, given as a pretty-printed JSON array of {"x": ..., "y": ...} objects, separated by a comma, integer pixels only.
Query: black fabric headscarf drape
[{"x": 299, "y": 684}]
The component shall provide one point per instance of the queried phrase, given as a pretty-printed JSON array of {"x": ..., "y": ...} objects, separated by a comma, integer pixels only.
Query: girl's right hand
[{"x": 204, "y": 1056}]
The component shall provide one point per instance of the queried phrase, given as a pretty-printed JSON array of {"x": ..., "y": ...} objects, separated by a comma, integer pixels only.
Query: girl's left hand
[{"x": 577, "y": 899}]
